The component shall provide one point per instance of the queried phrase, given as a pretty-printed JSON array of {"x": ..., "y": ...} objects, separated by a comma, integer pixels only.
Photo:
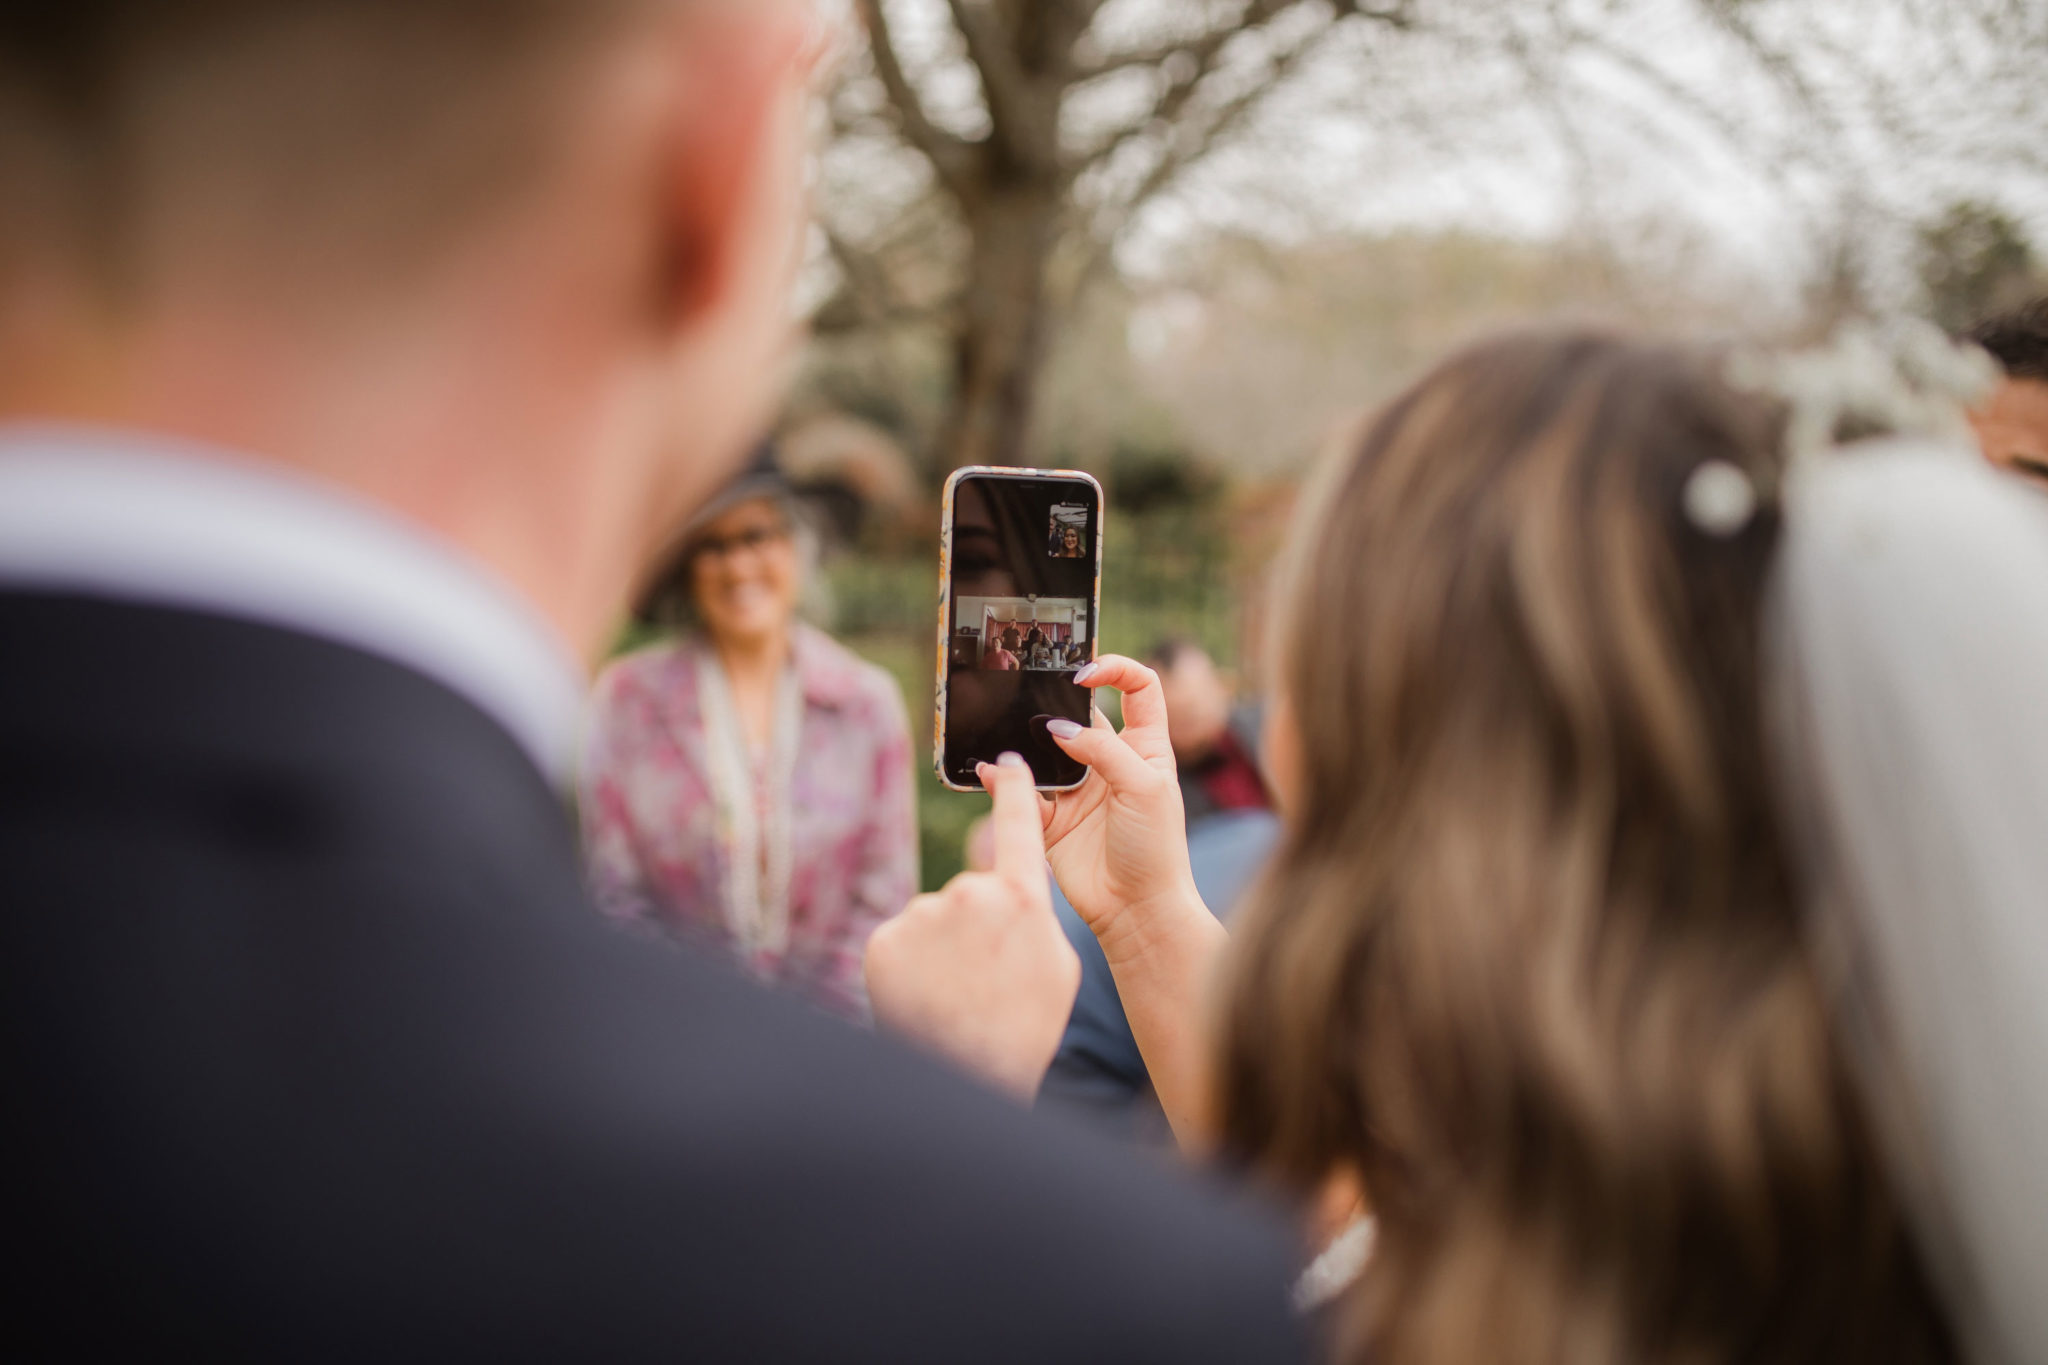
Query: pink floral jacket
[{"x": 650, "y": 829}]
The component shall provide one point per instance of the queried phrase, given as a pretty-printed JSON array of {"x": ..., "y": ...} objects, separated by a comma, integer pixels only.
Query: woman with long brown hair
[
  {"x": 1534, "y": 939},
  {"x": 1531, "y": 968}
]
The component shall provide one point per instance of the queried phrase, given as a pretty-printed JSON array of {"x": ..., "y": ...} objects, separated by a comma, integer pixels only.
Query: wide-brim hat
[{"x": 762, "y": 478}]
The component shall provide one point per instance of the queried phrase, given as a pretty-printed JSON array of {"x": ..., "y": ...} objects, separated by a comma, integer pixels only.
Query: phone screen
[{"x": 1022, "y": 569}]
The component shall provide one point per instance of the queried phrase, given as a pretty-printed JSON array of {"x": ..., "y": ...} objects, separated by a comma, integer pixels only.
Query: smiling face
[
  {"x": 1197, "y": 704},
  {"x": 744, "y": 576}
]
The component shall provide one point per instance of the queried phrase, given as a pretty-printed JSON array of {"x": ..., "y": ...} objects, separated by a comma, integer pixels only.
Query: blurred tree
[
  {"x": 990, "y": 155},
  {"x": 1975, "y": 261},
  {"x": 1008, "y": 171},
  {"x": 1146, "y": 479}
]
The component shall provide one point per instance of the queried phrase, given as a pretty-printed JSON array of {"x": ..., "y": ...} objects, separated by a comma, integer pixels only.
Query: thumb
[
  {"x": 1104, "y": 750},
  {"x": 1018, "y": 825}
]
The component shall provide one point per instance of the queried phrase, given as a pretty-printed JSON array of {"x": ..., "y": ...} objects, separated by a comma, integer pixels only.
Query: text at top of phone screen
[{"x": 1021, "y": 621}]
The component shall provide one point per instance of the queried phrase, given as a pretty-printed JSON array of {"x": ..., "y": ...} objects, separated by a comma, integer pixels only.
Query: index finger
[
  {"x": 1144, "y": 701},
  {"x": 1017, "y": 823}
]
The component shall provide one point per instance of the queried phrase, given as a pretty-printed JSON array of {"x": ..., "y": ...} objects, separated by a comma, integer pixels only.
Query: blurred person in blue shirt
[{"x": 1231, "y": 831}]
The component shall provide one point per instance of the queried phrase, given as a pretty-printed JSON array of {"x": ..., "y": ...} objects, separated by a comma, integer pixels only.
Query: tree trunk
[{"x": 1000, "y": 342}]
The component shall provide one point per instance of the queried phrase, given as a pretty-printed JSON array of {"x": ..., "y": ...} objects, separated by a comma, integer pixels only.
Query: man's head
[
  {"x": 2012, "y": 424},
  {"x": 516, "y": 268},
  {"x": 1197, "y": 698}
]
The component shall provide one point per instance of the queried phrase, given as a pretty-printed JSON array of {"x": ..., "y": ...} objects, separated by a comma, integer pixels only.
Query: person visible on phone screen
[
  {"x": 2012, "y": 424},
  {"x": 748, "y": 782},
  {"x": 1002, "y": 656}
]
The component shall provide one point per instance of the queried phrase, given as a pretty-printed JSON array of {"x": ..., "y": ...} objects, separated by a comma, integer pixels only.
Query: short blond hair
[{"x": 374, "y": 126}]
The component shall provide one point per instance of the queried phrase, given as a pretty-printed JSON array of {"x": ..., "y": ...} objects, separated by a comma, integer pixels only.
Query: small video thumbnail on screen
[
  {"x": 1020, "y": 634},
  {"x": 1068, "y": 537}
]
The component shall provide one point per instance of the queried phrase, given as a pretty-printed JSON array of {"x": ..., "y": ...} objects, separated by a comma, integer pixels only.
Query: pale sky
[
  {"x": 1747, "y": 171},
  {"x": 1382, "y": 132}
]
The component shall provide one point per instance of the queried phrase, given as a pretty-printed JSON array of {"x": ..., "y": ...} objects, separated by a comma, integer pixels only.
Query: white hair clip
[{"x": 1720, "y": 499}]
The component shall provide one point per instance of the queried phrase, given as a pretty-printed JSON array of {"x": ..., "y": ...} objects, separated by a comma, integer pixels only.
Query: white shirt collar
[{"x": 146, "y": 519}]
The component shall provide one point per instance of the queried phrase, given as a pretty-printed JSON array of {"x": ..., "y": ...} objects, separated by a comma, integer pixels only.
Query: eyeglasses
[{"x": 751, "y": 540}]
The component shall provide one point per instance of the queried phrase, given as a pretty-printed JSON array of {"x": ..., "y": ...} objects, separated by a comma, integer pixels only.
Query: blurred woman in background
[{"x": 748, "y": 782}]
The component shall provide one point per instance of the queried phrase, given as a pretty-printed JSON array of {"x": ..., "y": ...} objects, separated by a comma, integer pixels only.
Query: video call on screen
[{"x": 1021, "y": 621}]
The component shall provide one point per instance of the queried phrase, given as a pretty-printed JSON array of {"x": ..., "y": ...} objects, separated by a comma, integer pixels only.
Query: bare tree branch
[
  {"x": 1005, "y": 86},
  {"x": 1073, "y": 16},
  {"x": 1202, "y": 46},
  {"x": 1227, "y": 119},
  {"x": 1201, "y": 56},
  {"x": 1786, "y": 72},
  {"x": 952, "y": 157},
  {"x": 865, "y": 279}
]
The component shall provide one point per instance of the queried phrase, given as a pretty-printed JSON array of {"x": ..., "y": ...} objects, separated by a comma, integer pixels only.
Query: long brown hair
[{"x": 1530, "y": 960}]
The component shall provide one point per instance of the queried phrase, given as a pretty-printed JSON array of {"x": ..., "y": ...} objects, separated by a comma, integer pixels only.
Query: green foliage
[
  {"x": 943, "y": 819},
  {"x": 942, "y": 816},
  {"x": 1169, "y": 572},
  {"x": 1974, "y": 262},
  {"x": 1147, "y": 479},
  {"x": 886, "y": 597}
]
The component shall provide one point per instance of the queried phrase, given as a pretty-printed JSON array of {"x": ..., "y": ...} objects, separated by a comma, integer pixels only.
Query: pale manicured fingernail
[
  {"x": 1084, "y": 673},
  {"x": 1012, "y": 761},
  {"x": 1063, "y": 729}
]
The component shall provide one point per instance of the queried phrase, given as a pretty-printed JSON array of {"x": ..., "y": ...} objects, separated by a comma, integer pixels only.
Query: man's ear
[{"x": 746, "y": 64}]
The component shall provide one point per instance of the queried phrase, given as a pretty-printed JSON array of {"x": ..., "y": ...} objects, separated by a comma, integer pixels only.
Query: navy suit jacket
[{"x": 314, "y": 1050}]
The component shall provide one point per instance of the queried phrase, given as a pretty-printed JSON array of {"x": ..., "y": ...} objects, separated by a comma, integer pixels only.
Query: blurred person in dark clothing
[
  {"x": 1215, "y": 740},
  {"x": 354, "y": 361},
  {"x": 1232, "y": 830},
  {"x": 2012, "y": 423},
  {"x": 1099, "y": 1072}
]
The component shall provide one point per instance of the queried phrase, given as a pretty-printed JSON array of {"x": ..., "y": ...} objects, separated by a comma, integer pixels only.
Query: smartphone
[{"x": 1020, "y": 588}]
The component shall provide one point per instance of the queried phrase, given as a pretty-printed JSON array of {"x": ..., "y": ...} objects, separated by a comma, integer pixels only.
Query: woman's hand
[
  {"x": 980, "y": 971},
  {"x": 1119, "y": 847},
  {"x": 1118, "y": 843}
]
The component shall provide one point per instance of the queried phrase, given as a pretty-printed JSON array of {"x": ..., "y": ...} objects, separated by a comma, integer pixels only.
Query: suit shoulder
[{"x": 971, "y": 1228}]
